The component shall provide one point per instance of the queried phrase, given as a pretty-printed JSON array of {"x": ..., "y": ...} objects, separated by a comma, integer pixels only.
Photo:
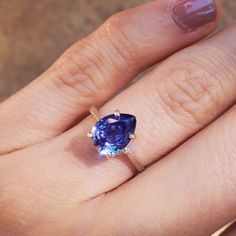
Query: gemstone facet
[{"x": 112, "y": 133}]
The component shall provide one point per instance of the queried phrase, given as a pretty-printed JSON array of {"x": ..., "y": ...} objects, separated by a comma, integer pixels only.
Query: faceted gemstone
[{"x": 111, "y": 134}]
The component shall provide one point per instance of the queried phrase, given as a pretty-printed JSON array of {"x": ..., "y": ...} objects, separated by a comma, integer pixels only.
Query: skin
[{"x": 51, "y": 182}]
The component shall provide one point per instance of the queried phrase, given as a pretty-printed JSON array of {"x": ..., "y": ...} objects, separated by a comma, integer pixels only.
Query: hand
[{"x": 51, "y": 182}]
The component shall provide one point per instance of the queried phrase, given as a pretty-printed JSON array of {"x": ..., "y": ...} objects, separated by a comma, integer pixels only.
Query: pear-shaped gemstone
[{"x": 112, "y": 133}]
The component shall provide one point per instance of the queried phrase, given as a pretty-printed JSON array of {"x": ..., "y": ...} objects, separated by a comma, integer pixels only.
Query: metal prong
[
  {"x": 117, "y": 113},
  {"x": 94, "y": 112},
  {"x": 125, "y": 150},
  {"x": 132, "y": 136},
  {"x": 90, "y": 135},
  {"x": 109, "y": 156}
]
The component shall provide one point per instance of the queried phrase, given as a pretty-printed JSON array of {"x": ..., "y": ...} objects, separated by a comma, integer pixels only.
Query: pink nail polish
[{"x": 192, "y": 14}]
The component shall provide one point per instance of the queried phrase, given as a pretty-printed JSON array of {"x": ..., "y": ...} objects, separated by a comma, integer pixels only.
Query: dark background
[{"x": 34, "y": 33}]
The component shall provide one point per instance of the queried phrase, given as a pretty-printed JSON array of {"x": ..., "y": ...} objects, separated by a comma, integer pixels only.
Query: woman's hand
[{"x": 51, "y": 182}]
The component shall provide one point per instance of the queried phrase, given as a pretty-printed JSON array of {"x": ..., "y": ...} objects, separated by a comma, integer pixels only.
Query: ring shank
[{"x": 140, "y": 167}]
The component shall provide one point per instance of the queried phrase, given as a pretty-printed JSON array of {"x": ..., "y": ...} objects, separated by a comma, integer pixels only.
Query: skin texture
[
  {"x": 51, "y": 181},
  {"x": 92, "y": 71}
]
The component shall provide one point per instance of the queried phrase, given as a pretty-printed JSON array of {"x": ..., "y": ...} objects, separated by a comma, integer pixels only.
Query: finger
[
  {"x": 190, "y": 192},
  {"x": 181, "y": 96},
  {"x": 97, "y": 67},
  {"x": 206, "y": 87}
]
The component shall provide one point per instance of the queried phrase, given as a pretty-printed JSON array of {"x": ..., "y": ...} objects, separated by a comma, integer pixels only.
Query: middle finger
[{"x": 173, "y": 102}]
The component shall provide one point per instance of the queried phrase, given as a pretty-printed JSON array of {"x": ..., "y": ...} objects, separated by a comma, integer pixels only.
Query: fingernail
[{"x": 192, "y": 14}]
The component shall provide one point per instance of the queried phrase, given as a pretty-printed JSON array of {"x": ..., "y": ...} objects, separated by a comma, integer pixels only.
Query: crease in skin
[
  {"x": 143, "y": 28},
  {"x": 85, "y": 179},
  {"x": 202, "y": 94},
  {"x": 128, "y": 56},
  {"x": 209, "y": 87},
  {"x": 214, "y": 172}
]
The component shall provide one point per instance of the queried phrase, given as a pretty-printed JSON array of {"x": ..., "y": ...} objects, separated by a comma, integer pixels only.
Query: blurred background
[{"x": 34, "y": 33}]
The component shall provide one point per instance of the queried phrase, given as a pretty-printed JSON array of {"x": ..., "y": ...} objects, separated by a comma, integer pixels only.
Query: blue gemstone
[{"x": 111, "y": 134}]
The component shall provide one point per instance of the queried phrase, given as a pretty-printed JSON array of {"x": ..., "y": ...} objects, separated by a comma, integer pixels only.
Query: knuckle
[
  {"x": 123, "y": 48},
  {"x": 192, "y": 94},
  {"x": 89, "y": 64},
  {"x": 81, "y": 69}
]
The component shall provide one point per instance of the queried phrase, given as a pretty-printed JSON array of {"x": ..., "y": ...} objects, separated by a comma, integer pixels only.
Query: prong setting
[
  {"x": 132, "y": 136},
  {"x": 109, "y": 144},
  {"x": 109, "y": 134},
  {"x": 125, "y": 150},
  {"x": 117, "y": 113},
  {"x": 109, "y": 155}
]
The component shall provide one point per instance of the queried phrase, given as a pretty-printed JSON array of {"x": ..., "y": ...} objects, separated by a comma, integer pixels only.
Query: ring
[{"x": 112, "y": 135}]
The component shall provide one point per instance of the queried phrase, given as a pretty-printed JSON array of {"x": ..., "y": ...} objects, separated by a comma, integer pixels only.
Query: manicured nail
[{"x": 192, "y": 14}]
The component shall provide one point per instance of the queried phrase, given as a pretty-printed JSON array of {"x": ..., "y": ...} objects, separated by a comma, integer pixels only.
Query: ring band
[{"x": 113, "y": 134}]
